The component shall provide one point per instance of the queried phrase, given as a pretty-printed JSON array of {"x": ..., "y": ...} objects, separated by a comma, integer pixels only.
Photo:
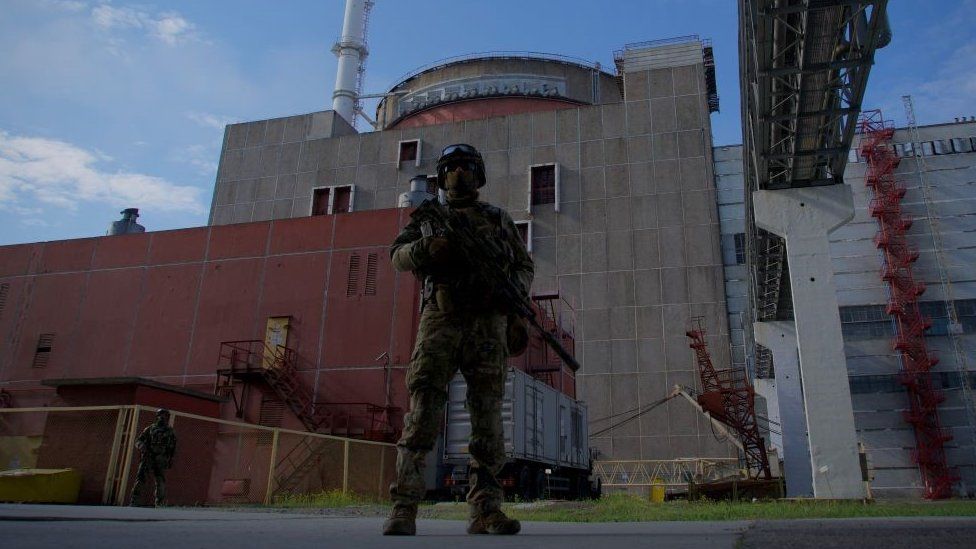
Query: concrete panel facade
[{"x": 634, "y": 246}]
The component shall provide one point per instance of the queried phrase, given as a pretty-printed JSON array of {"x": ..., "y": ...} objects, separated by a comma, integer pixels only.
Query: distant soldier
[
  {"x": 156, "y": 444},
  {"x": 461, "y": 328}
]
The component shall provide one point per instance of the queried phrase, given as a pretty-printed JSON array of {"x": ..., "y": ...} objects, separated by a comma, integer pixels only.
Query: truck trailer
[{"x": 546, "y": 442}]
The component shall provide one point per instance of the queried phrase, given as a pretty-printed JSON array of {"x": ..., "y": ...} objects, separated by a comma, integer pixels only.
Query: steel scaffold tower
[
  {"x": 729, "y": 397},
  {"x": 903, "y": 305}
]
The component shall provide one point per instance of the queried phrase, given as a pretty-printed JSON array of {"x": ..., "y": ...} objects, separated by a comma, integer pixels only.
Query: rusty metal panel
[
  {"x": 372, "y": 228},
  {"x": 164, "y": 321},
  {"x": 294, "y": 285},
  {"x": 16, "y": 260},
  {"x": 227, "y": 308},
  {"x": 359, "y": 385},
  {"x": 178, "y": 246},
  {"x": 52, "y": 307},
  {"x": 106, "y": 323},
  {"x": 358, "y": 324},
  {"x": 242, "y": 240},
  {"x": 301, "y": 234},
  {"x": 67, "y": 255},
  {"x": 127, "y": 250}
]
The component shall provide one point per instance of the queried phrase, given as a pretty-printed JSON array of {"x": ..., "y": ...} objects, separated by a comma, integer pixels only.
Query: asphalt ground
[{"x": 66, "y": 526}]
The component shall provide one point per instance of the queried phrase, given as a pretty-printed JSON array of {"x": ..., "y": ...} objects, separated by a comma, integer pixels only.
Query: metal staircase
[
  {"x": 242, "y": 363},
  {"x": 728, "y": 396},
  {"x": 903, "y": 305}
]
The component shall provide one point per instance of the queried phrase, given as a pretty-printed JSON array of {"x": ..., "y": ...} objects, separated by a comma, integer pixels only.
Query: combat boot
[
  {"x": 402, "y": 521},
  {"x": 493, "y": 522}
]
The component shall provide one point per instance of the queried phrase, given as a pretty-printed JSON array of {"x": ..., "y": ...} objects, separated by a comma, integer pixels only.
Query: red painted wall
[
  {"x": 477, "y": 109},
  {"x": 159, "y": 304}
]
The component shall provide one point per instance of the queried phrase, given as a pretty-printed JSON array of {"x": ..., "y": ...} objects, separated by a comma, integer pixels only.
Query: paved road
[{"x": 40, "y": 526}]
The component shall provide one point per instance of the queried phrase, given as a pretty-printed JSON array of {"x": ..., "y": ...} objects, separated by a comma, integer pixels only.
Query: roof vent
[{"x": 126, "y": 225}]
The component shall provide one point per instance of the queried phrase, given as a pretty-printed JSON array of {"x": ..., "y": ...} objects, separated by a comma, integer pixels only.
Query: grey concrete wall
[
  {"x": 857, "y": 265},
  {"x": 634, "y": 247}
]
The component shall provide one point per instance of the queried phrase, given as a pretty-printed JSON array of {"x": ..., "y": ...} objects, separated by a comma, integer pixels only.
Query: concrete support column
[
  {"x": 780, "y": 338},
  {"x": 804, "y": 217}
]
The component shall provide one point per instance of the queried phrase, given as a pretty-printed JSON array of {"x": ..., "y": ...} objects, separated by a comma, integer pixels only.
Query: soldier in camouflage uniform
[
  {"x": 156, "y": 444},
  {"x": 460, "y": 328}
]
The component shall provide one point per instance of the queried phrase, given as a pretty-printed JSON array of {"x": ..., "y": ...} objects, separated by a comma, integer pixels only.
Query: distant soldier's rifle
[{"x": 486, "y": 260}]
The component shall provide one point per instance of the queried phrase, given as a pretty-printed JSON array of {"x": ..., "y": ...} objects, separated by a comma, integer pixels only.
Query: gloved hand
[
  {"x": 517, "y": 335},
  {"x": 438, "y": 250}
]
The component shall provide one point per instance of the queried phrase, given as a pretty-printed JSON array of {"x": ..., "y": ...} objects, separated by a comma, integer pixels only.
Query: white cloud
[
  {"x": 39, "y": 170},
  {"x": 64, "y": 5},
  {"x": 208, "y": 120},
  {"x": 170, "y": 27}
]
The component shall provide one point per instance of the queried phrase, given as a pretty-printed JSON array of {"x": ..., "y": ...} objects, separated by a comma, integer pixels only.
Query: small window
[
  {"x": 333, "y": 200},
  {"x": 740, "y": 248},
  {"x": 928, "y": 148},
  {"x": 45, "y": 344},
  {"x": 320, "y": 201},
  {"x": 941, "y": 147},
  {"x": 342, "y": 203},
  {"x": 525, "y": 231},
  {"x": 409, "y": 152},
  {"x": 544, "y": 185}
]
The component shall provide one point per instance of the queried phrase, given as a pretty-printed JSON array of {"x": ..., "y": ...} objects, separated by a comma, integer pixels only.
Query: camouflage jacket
[
  {"x": 409, "y": 253},
  {"x": 157, "y": 441}
]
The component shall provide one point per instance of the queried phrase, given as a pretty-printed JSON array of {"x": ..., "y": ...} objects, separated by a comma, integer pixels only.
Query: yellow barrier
[{"x": 40, "y": 485}]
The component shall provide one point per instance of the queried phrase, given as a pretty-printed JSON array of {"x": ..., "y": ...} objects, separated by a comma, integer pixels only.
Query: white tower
[{"x": 351, "y": 51}]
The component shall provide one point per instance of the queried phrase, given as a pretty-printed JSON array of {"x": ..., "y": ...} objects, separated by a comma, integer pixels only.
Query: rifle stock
[{"x": 471, "y": 245}]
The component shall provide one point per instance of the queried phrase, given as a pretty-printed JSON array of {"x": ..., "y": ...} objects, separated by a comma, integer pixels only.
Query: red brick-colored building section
[{"x": 158, "y": 305}]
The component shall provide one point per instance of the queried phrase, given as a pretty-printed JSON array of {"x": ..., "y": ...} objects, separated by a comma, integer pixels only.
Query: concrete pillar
[
  {"x": 780, "y": 338},
  {"x": 804, "y": 217}
]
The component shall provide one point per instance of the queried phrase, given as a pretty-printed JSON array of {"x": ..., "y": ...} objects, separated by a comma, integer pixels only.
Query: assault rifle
[{"x": 486, "y": 260}]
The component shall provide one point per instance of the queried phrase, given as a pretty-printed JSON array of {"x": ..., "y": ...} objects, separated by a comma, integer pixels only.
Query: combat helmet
[
  {"x": 162, "y": 412},
  {"x": 457, "y": 153}
]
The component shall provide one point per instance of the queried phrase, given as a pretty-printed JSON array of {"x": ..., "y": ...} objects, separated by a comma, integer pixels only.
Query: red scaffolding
[
  {"x": 903, "y": 296},
  {"x": 728, "y": 396}
]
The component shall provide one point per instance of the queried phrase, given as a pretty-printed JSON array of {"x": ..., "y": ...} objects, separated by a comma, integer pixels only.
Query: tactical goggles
[
  {"x": 460, "y": 148},
  {"x": 451, "y": 165}
]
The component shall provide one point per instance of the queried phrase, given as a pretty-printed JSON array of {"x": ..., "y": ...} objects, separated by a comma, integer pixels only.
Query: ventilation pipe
[
  {"x": 417, "y": 193},
  {"x": 126, "y": 225},
  {"x": 351, "y": 51}
]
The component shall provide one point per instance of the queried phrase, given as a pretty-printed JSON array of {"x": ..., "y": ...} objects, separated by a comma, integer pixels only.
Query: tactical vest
[{"x": 461, "y": 289}]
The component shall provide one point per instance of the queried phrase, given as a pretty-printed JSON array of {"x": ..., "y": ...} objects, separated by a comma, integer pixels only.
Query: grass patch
[
  {"x": 625, "y": 508},
  {"x": 331, "y": 499}
]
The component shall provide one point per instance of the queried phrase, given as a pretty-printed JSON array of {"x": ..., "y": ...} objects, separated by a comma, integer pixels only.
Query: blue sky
[{"x": 106, "y": 105}]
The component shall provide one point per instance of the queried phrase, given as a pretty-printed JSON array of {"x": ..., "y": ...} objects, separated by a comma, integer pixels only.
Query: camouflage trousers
[
  {"x": 155, "y": 466},
  {"x": 447, "y": 342}
]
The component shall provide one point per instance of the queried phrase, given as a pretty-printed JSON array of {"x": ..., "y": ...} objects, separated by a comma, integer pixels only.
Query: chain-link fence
[{"x": 216, "y": 461}]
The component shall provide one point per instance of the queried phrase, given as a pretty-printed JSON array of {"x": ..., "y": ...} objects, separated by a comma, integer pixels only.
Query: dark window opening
[
  {"x": 543, "y": 185},
  {"x": 343, "y": 200},
  {"x": 408, "y": 151},
  {"x": 523, "y": 229},
  {"x": 320, "y": 201},
  {"x": 740, "y": 248},
  {"x": 45, "y": 344}
]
